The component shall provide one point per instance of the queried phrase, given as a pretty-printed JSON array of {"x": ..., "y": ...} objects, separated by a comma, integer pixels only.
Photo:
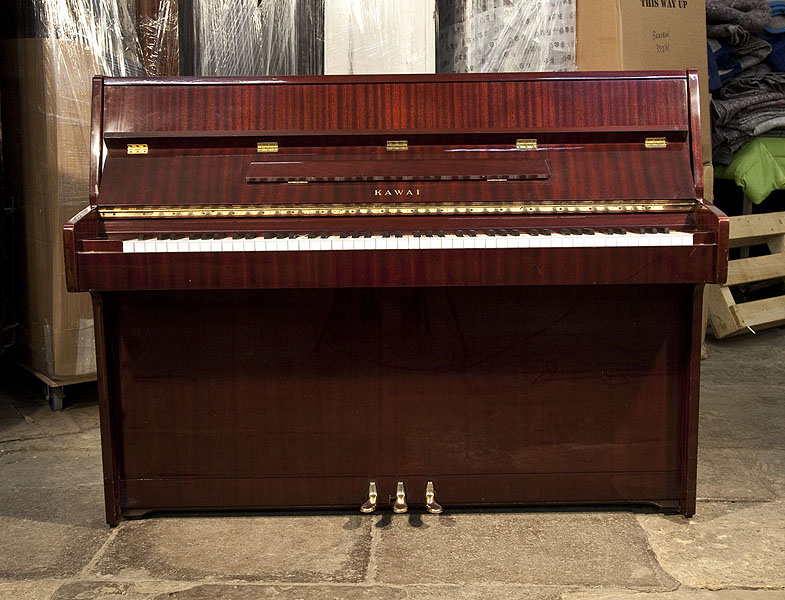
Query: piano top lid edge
[
  {"x": 410, "y": 133},
  {"x": 399, "y": 78}
]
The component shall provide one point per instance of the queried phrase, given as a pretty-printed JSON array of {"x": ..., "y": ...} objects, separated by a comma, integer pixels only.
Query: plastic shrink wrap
[
  {"x": 258, "y": 37},
  {"x": 378, "y": 36},
  {"x": 484, "y": 36},
  {"x": 47, "y": 73}
]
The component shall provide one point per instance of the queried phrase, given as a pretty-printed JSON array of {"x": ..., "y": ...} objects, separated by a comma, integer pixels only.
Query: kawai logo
[{"x": 414, "y": 192}]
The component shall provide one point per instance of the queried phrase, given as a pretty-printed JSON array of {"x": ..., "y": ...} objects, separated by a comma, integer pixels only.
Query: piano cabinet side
[
  {"x": 690, "y": 407},
  {"x": 108, "y": 402},
  {"x": 83, "y": 225},
  {"x": 710, "y": 218}
]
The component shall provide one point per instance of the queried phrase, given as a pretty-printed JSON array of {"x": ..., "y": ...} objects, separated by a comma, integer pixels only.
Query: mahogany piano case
[{"x": 410, "y": 291}]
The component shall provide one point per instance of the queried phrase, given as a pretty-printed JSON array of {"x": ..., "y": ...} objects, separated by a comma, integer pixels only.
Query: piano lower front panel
[{"x": 298, "y": 398}]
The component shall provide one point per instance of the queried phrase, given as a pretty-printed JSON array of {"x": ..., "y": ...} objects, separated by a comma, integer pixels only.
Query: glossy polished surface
[{"x": 504, "y": 373}]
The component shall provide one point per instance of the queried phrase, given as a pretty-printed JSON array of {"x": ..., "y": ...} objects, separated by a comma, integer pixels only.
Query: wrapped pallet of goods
[{"x": 47, "y": 72}]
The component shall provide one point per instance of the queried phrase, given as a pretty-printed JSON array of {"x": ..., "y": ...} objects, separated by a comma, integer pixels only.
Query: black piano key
[
  {"x": 515, "y": 232},
  {"x": 250, "y": 235},
  {"x": 417, "y": 234},
  {"x": 365, "y": 234},
  {"x": 440, "y": 233},
  {"x": 545, "y": 231},
  {"x": 564, "y": 231},
  {"x": 459, "y": 233},
  {"x": 386, "y": 234},
  {"x": 471, "y": 233},
  {"x": 324, "y": 235},
  {"x": 576, "y": 231},
  {"x": 398, "y": 234},
  {"x": 588, "y": 232},
  {"x": 193, "y": 236},
  {"x": 268, "y": 235},
  {"x": 642, "y": 230},
  {"x": 141, "y": 237},
  {"x": 237, "y": 236},
  {"x": 344, "y": 234},
  {"x": 532, "y": 232},
  {"x": 429, "y": 234},
  {"x": 666, "y": 230},
  {"x": 501, "y": 232},
  {"x": 161, "y": 236},
  {"x": 619, "y": 230},
  {"x": 313, "y": 234},
  {"x": 218, "y": 236}
]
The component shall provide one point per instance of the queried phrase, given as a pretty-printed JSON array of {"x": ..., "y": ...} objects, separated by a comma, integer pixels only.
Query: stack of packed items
[
  {"x": 46, "y": 87},
  {"x": 745, "y": 77},
  {"x": 489, "y": 36},
  {"x": 258, "y": 37}
]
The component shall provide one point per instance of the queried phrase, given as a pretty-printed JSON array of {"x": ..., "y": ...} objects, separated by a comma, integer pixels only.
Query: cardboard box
[
  {"x": 646, "y": 35},
  {"x": 51, "y": 132},
  {"x": 369, "y": 36}
]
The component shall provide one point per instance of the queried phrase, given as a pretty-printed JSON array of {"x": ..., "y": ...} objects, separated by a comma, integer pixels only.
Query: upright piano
[{"x": 393, "y": 292}]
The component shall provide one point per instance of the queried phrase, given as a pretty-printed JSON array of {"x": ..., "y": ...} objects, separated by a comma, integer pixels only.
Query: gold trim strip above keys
[{"x": 395, "y": 208}]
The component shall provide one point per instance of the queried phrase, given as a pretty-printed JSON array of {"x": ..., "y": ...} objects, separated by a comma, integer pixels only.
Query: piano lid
[{"x": 482, "y": 139}]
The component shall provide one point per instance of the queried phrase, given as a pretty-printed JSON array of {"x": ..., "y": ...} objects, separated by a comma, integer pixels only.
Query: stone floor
[{"x": 54, "y": 543}]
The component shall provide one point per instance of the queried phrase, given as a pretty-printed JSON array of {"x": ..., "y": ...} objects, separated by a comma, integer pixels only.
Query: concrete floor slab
[
  {"x": 89, "y": 438},
  {"x": 51, "y": 468},
  {"x": 39, "y": 421},
  {"x": 40, "y": 549},
  {"x": 279, "y": 592},
  {"x": 481, "y": 592},
  {"x": 276, "y": 548},
  {"x": 723, "y": 545},
  {"x": 101, "y": 590},
  {"x": 734, "y": 474},
  {"x": 772, "y": 467},
  {"x": 41, "y": 589},
  {"x": 680, "y": 594},
  {"x": 541, "y": 548},
  {"x": 746, "y": 359},
  {"x": 79, "y": 507},
  {"x": 748, "y": 416}
]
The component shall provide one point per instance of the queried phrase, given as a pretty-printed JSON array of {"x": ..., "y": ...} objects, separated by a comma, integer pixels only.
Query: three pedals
[{"x": 399, "y": 504}]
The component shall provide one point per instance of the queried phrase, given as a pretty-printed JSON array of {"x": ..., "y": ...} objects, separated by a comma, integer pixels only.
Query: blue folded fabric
[{"x": 777, "y": 24}]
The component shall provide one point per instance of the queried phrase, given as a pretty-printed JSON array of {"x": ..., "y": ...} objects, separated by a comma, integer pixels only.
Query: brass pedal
[
  {"x": 400, "y": 505},
  {"x": 431, "y": 505},
  {"x": 373, "y": 497}
]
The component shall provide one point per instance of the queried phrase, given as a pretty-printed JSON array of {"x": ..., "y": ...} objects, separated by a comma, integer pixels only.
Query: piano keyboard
[{"x": 396, "y": 240}]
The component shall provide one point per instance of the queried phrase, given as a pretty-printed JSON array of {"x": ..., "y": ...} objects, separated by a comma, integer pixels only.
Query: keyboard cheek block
[{"x": 358, "y": 294}]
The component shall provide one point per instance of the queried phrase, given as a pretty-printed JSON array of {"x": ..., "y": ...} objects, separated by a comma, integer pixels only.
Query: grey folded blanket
[{"x": 751, "y": 15}]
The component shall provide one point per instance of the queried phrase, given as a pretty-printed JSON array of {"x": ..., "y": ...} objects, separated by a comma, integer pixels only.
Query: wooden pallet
[{"x": 725, "y": 315}]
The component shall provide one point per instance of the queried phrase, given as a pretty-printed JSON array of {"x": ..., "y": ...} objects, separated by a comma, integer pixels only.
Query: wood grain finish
[
  {"x": 529, "y": 384},
  {"x": 290, "y": 380}
]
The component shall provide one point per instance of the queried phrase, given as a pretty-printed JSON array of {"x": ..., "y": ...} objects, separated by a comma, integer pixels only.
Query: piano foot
[
  {"x": 370, "y": 505},
  {"x": 431, "y": 505},
  {"x": 400, "y": 505}
]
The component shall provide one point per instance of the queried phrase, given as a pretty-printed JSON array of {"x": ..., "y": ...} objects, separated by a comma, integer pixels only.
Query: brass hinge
[
  {"x": 136, "y": 148},
  {"x": 267, "y": 146},
  {"x": 655, "y": 142},
  {"x": 526, "y": 144},
  {"x": 397, "y": 145}
]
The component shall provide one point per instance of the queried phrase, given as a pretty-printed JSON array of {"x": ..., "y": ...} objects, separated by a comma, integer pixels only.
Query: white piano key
[{"x": 485, "y": 240}]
